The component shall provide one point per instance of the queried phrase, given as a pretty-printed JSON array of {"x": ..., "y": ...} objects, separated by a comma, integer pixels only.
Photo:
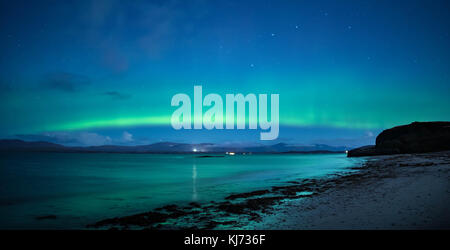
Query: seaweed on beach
[
  {"x": 246, "y": 195},
  {"x": 240, "y": 209}
]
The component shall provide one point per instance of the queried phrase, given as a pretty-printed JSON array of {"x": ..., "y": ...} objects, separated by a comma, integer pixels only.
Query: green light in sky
[
  {"x": 118, "y": 122},
  {"x": 165, "y": 121}
]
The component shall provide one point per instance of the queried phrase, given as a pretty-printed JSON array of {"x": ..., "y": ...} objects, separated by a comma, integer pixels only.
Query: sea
[{"x": 71, "y": 190}]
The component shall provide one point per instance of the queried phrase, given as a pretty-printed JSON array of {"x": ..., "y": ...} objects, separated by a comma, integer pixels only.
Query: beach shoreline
[
  {"x": 410, "y": 191},
  {"x": 389, "y": 192}
]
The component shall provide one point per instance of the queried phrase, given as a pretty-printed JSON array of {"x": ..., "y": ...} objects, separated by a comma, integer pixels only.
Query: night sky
[{"x": 104, "y": 72}]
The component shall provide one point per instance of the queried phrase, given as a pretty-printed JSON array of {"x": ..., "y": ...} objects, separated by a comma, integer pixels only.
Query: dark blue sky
[{"x": 101, "y": 72}]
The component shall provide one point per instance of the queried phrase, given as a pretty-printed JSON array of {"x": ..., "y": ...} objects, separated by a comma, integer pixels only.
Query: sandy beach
[
  {"x": 389, "y": 192},
  {"x": 410, "y": 191}
]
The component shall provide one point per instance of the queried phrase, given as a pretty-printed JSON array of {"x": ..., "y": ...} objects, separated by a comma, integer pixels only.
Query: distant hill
[
  {"x": 417, "y": 137},
  {"x": 19, "y": 145},
  {"x": 164, "y": 147}
]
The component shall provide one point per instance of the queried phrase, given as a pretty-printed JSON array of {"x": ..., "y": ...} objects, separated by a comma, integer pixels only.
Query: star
[{"x": 273, "y": 34}]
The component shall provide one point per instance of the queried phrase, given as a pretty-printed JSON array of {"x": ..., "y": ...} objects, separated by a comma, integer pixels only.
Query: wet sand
[
  {"x": 391, "y": 192},
  {"x": 388, "y": 192}
]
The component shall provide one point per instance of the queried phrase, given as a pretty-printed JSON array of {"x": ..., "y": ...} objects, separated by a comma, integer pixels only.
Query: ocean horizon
[
  {"x": 72, "y": 190},
  {"x": 222, "y": 124}
]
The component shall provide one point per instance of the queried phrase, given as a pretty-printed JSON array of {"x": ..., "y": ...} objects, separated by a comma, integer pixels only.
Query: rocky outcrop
[
  {"x": 417, "y": 137},
  {"x": 362, "y": 151}
]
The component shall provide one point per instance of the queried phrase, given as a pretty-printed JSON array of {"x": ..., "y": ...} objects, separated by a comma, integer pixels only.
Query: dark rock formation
[
  {"x": 417, "y": 137},
  {"x": 362, "y": 151}
]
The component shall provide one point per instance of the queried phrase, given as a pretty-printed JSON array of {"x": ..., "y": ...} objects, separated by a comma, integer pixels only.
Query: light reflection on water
[
  {"x": 83, "y": 188},
  {"x": 194, "y": 184}
]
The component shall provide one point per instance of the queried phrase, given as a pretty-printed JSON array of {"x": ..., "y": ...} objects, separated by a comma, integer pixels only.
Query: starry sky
[{"x": 104, "y": 71}]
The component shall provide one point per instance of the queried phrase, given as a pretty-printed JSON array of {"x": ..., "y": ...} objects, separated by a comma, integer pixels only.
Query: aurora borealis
[{"x": 110, "y": 68}]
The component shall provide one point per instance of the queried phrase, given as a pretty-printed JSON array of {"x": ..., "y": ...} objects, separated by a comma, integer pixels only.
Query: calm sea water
[{"x": 80, "y": 189}]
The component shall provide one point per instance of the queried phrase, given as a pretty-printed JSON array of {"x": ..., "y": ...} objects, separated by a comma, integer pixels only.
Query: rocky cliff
[{"x": 417, "y": 137}]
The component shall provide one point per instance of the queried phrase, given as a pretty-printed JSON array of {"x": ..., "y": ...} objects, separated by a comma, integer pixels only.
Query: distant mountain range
[{"x": 164, "y": 147}]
